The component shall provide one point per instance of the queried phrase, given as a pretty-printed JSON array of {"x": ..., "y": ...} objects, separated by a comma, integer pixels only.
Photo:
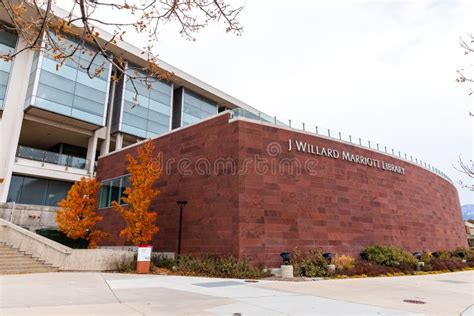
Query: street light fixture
[{"x": 181, "y": 204}]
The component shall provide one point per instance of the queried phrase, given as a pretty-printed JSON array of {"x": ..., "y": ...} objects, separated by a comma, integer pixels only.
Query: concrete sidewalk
[{"x": 128, "y": 294}]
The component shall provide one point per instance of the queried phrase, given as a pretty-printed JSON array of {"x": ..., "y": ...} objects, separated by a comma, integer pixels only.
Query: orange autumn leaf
[
  {"x": 144, "y": 171},
  {"x": 77, "y": 217}
]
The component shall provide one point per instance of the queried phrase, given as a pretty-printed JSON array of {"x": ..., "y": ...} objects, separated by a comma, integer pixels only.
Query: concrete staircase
[{"x": 13, "y": 261}]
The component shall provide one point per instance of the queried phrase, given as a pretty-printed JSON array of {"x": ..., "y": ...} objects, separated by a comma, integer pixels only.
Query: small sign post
[{"x": 143, "y": 258}]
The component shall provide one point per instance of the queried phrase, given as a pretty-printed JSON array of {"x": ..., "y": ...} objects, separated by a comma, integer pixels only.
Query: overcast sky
[{"x": 381, "y": 70}]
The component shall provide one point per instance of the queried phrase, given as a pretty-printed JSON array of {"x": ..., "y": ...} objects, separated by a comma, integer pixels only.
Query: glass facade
[
  {"x": 149, "y": 115},
  {"x": 196, "y": 108},
  {"x": 51, "y": 157},
  {"x": 37, "y": 191},
  {"x": 68, "y": 89},
  {"x": 7, "y": 44},
  {"x": 113, "y": 190}
]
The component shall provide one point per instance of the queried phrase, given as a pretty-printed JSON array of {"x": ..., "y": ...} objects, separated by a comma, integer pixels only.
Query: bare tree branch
[{"x": 36, "y": 23}]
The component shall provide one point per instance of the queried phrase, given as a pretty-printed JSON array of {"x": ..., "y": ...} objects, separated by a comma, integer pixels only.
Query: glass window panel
[
  {"x": 2, "y": 91},
  {"x": 88, "y": 117},
  {"x": 104, "y": 73},
  {"x": 115, "y": 190},
  {"x": 34, "y": 191},
  {"x": 81, "y": 97},
  {"x": 129, "y": 95},
  {"x": 192, "y": 100},
  {"x": 56, "y": 81},
  {"x": 159, "y": 118},
  {"x": 7, "y": 39},
  {"x": 88, "y": 106},
  {"x": 125, "y": 184},
  {"x": 160, "y": 97},
  {"x": 104, "y": 195},
  {"x": 34, "y": 65},
  {"x": 3, "y": 77},
  {"x": 32, "y": 78},
  {"x": 140, "y": 132},
  {"x": 192, "y": 110},
  {"x": 5, "y": 65},
  {"x": 90, "y": 93},
  {"x": 157, "y": 128},
  {"x": 5, "y": 49},
  {"x": 142, "y": 101},
  {"x": 128, "y": 107},
  {"x": 72, "y": 62},
  {"x": 14, "y": 193},
  {"x": 51, "y": 157},
  {"x": 57, "y": 191},
  {"x": 161, "y": 87},
  {"x": 77, "y": 162},
  {"x": 58, "y": 96},
  {"x": 52, "y": 106},
  {"x": 136, "y": 110},
  {"x": 89, "y": 53},
  {"x": 63, "y": 71},
  {"x": 140, "y": 85},
  {"x": 209, "y": 108},
  {"x": 95, "y": 83},
  {"x": 159, "y": 107},
  {"x": 134, "y": 120},
  {"x": 190, "y": 119}
]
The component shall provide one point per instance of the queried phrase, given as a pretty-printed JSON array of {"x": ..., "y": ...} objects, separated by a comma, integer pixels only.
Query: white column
[
  {"x": 103, "y": 147},
  {"x": 91, "y": 152},
  {"x": 110, "y": 104},
  {"x": 119, "y": 141},
  {"x": 12, "y": 117}
]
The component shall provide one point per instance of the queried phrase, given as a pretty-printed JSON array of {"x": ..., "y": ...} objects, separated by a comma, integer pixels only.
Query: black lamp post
[{"x": 181, "y": 204}]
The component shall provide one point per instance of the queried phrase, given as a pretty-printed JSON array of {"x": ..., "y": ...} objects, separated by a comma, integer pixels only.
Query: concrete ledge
[{"x": 60, "y": 256}]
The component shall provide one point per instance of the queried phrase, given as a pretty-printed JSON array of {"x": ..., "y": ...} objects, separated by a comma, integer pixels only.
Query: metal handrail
[
  {"x": 318, "y": 130},
  {"x": 51, "y": 157}
]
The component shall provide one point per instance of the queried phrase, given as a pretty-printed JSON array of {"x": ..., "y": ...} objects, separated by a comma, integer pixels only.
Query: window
[
  {"x": 113, "y": 190},
  {"x": 37, "y": 191},
  {"x": 7, "y": 44},
  {"x": 150, "y": 116},
  {"x": 68, "y": 90},
  {"x": 196, "y": 108}
]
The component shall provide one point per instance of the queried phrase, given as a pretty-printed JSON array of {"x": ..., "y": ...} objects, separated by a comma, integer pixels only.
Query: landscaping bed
[{"x": 375, "y": 261}]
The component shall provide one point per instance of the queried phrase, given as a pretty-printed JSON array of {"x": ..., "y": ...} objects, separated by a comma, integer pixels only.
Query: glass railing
[
  {"x": 51, "y": 157},
  {"x": 319, "y": 130}
]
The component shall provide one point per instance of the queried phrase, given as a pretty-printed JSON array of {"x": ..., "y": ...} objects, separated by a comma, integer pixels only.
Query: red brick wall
[
  {"x": 253, "y": 205},
  {"x": 210, "y": 218}
]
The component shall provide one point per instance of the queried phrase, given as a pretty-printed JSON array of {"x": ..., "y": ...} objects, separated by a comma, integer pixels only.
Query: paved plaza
[{"x": 129, "y": 294}]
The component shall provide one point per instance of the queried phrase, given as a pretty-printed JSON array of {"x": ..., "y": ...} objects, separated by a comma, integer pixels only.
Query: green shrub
[
  {"x": 390, "y": 256},
  {"x": 452, "y": 264},
  {"x": 161, "y": 261},
  {"x": 463, "y": 253},
  {"x": 442, "y": 254},
  {"x": 220, "y": 267},
  {"x": 362, "y": 267},
  {"x": 309, "y": 265},
  {"x": 127, "y": 266}
]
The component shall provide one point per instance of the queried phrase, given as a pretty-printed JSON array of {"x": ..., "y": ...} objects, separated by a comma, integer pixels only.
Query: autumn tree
[
  {"x": 144, "y": 170},
  {"x": 43, "y": 27},
  {"x": 77, "y": 216}
]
